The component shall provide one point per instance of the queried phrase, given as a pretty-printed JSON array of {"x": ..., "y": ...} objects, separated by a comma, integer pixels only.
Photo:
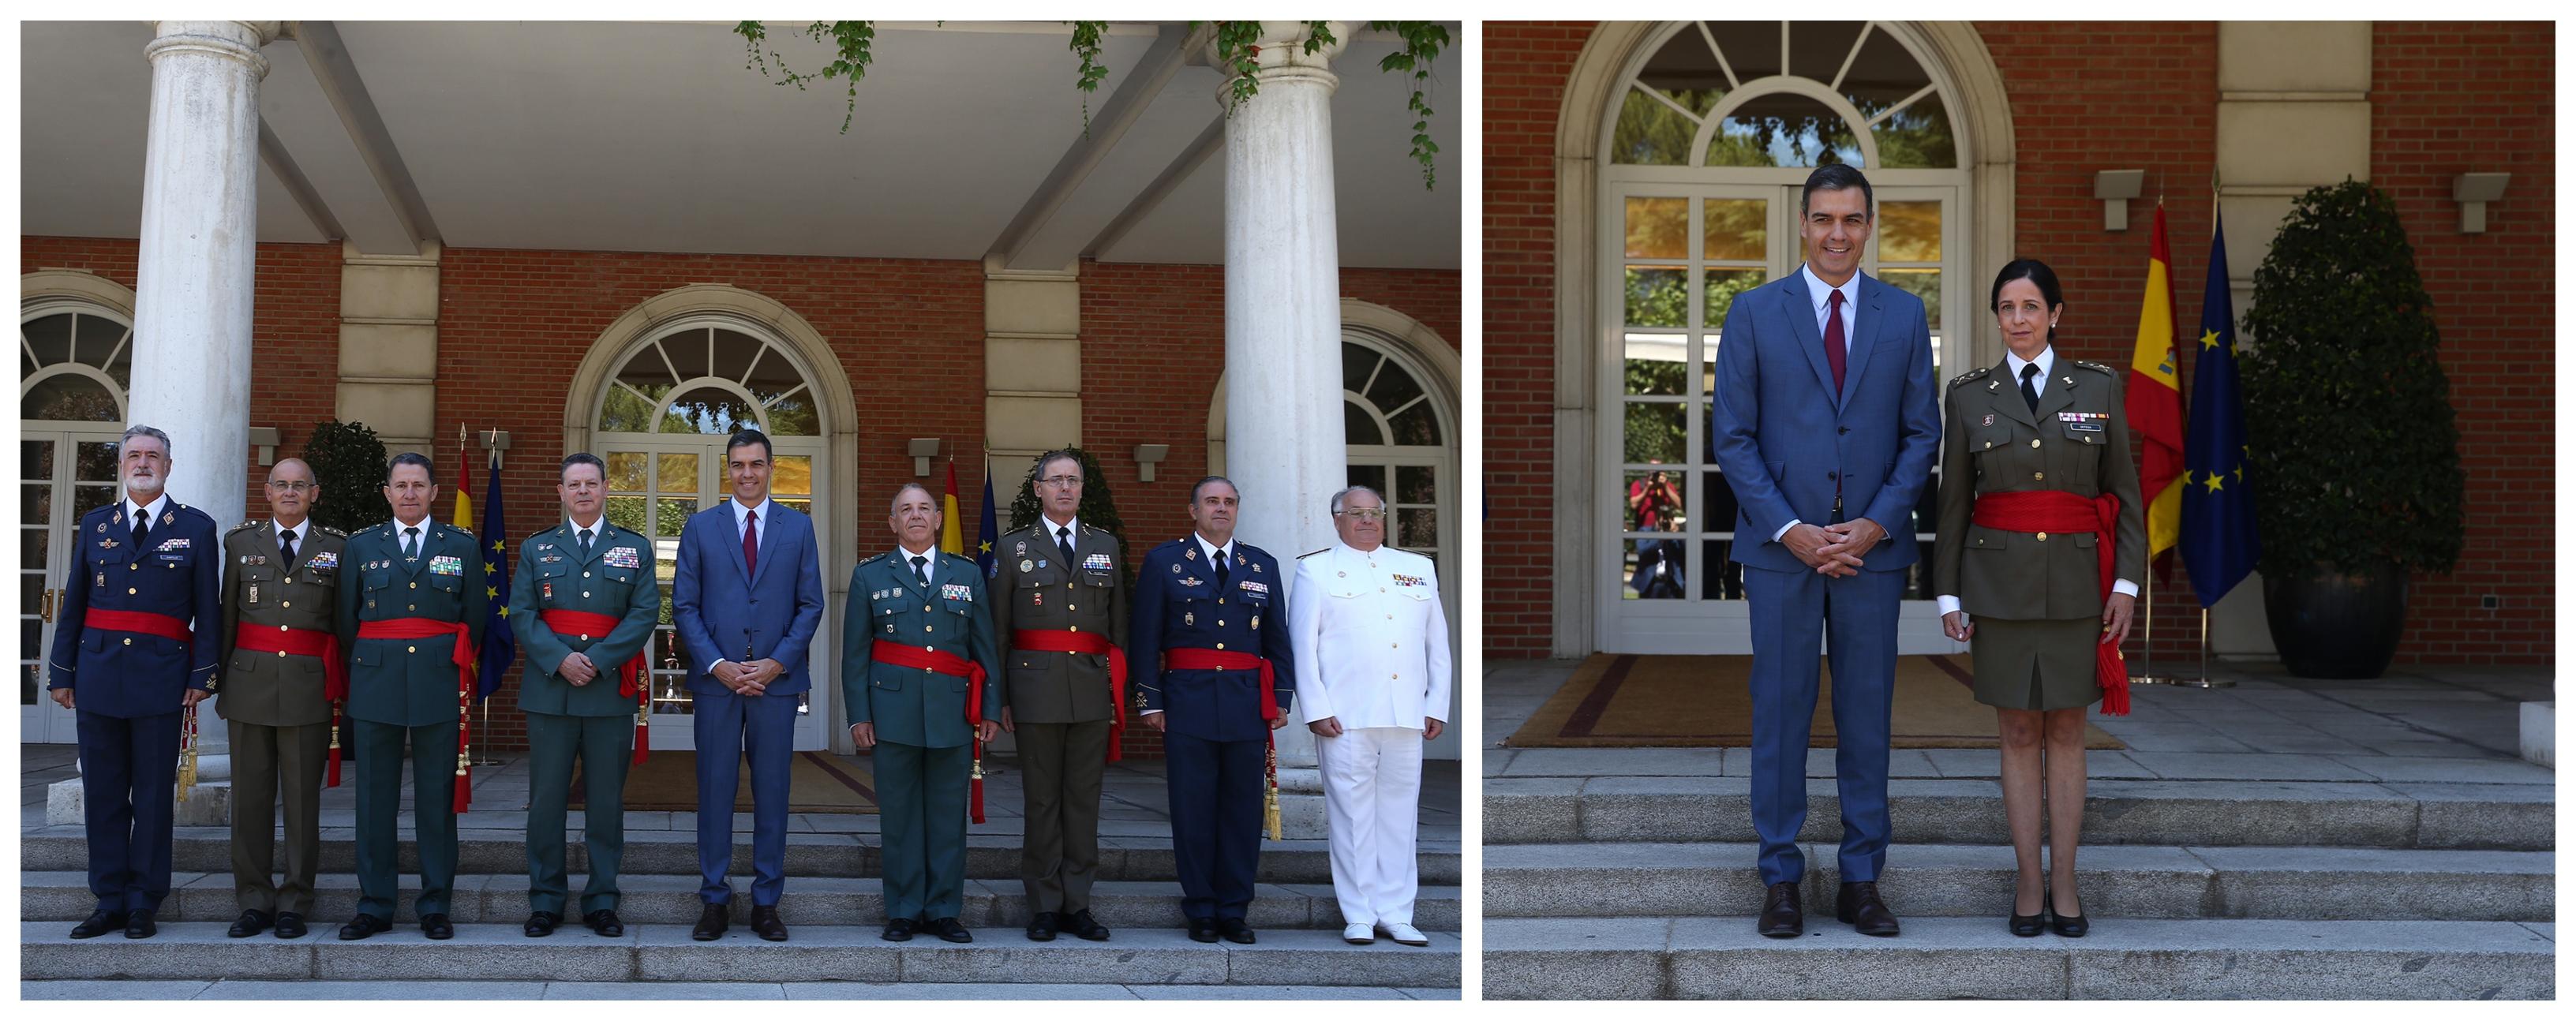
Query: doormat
[{"x": 1630, "y": 701}]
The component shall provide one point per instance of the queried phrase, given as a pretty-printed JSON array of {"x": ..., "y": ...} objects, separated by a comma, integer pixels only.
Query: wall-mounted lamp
[
  {"x": 1147, "y": 456},
  {"x": 2115, "y": 188},
  {"x": 921, "y": 451},
  {"x": 2473, "y": 192},
  {"x": 266, "y": 439},
  {"x": 494, "y": 441}
]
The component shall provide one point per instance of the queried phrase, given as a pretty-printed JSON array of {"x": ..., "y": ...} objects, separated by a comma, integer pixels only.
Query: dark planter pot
[{"x": 2337, "y": 625}]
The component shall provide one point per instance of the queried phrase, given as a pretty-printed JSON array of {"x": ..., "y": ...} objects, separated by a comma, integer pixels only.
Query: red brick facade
[
  {"x": 515, "y": 325},
  {"x": 2446, "y": 98}
]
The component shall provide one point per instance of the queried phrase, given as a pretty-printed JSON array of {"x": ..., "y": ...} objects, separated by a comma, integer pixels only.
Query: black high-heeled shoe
[
  {"x": 2029, "y": 925},
  {"x": 2071, "y": 927}
]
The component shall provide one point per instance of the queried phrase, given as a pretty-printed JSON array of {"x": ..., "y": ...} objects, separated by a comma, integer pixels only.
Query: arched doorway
[
  {"x": 1702, "y": 150},
  {"x": 660, "y": 418},
  {"x": 75, "y": 359}
]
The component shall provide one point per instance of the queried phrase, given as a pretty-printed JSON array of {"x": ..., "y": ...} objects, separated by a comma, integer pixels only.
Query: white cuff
[
  {"x": 1149, "y": 712},
  {"x": 2125, "y": 587},
  {"x": 1784, "y": 529},
  {"x": 1949, "y": 604}
]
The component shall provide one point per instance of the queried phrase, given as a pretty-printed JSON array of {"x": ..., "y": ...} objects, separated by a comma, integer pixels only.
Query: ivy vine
[{"x": 1238, "y": 53}]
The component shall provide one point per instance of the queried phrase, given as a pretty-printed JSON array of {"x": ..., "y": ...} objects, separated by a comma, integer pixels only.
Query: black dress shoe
[
  {"x": 1203, "y": 930},
  {"x": 2028, "y": 925},
  {"x": 2069, "y": 926},
  {"x": 1234, "y": 930},
  {"x": 436, "y": 926},
  {"x": 290, "y": 925},
  {"x": 1858, "y": 904},
  {"x": 252, "y": 922},
  {"x": 99, "y": 923},
  {"x": 363, "y": 926},
  {"x": 948, "y": 929},
  {"x": 138, "y": 924},
  {"x": 605, "y": 922},
  {"x": 712, "y": 922},
  {"x": 1080, "y": 923},
  {"x": 897, "y": 930},
  {"x": 765, "y": 921},
  {"x": 1042, "y": 927},
  {"x": 1781, "y": 917},
  {"x": 541, "y": 923}
]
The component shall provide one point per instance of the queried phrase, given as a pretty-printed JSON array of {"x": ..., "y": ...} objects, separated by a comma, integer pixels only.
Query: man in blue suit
[
  {"x": 137, "y": 645},
  {"x": 1825, "y": 422},
  {"x": 746, "y": 597}
]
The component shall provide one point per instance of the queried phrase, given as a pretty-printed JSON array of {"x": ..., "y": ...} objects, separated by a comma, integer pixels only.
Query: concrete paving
[{"x": 447, "y": 991}]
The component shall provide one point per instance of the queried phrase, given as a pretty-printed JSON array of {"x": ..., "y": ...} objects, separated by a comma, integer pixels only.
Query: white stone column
[
  {"x": 1283, "y": 369},
  {"x": 193, "y": 270}
]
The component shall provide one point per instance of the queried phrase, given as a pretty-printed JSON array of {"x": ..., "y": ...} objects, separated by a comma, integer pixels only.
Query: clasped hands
[
  {"x": 1833, "y": 550},
  {"x": 747, "y": 679}
]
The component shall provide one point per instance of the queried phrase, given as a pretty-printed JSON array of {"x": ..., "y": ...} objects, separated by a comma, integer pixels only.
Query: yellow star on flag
[
  {"x": 496, "y": 545},
  {"x": 2217, "y": 482},
  {"x": 488, "y": 567},
  {"x": 491, "y": 593},
  {"x": 2209, "y": 338},
  {"x": 505, "y": 609}
]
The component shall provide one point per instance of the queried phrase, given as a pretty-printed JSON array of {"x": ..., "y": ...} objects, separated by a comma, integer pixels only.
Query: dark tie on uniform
[
  {"x": 585, "y": 544},
  {"x": 142, "y": 530},
  {"x": 918, "y": 574},
  {"x": 751, "y": 541},
  {"x": 1064, "y": 541},
  {"x": 2029, "y": 393},
  {"x": 286, "y": 546},
  {"x": 1834, "y": 353},
  {"x": 411, "y": 543}
]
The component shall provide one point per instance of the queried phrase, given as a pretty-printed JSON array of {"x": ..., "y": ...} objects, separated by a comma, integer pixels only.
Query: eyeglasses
[
  {"x": 1062, "y": 481},
  {"x": 293, "y": 487},
  {"x": 1364, "y": 514}
]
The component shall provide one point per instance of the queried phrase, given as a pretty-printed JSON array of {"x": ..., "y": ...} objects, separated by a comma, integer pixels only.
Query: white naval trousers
[{"x": 1372, "y": 799}]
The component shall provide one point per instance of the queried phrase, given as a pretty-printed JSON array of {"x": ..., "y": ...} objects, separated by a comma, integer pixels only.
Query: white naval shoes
[
  {"x": 1359, "y": 933},
  {"x": 1405, "y": 934}
]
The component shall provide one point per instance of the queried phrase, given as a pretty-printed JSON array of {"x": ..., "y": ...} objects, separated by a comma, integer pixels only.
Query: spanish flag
[
  {"x": 2154, "y": 402},
  {"x": 950, "y": 541}
]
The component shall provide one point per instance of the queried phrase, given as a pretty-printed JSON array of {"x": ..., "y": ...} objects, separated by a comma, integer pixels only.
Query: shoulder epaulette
[
  {"x": 252, "y": 523},
  {"x": 1971, "y": 374},
  {"x": 2098, "y": 367},
  {"x": 1303, "y": 556},
  {"x": 457, "y": 528},
  {"x": 181, "y": 507},
  {"x": 872, "y": 560},
  {"x": 332, "y": 531}
]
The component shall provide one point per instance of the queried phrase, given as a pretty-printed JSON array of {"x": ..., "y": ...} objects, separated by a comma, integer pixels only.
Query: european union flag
[
  {"x": 500, "y": 646},
  {"x": 988, "y": 532},
  {"x": 2219, "y": 545}
]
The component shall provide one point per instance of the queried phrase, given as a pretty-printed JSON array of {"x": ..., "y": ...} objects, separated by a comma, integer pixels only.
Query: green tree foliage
[
  {"x": 348, "y": 461},
  {"x": 2354, "y": 454}
]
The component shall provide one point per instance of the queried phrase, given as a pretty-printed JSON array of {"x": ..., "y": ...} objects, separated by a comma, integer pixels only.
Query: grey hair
[
  {"x": 1203, "y": 483},
  {"x": 908, "y": 487},
  {"x": 133, "y": 431},
  {"x": 1337, "y": 497}
]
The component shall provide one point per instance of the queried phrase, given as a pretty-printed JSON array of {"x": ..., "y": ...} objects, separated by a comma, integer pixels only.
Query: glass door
[{"x": 61, "y": 476}]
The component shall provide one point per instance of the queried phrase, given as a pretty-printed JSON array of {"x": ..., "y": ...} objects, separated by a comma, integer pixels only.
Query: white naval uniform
[{"x": 1372, "y": 649}]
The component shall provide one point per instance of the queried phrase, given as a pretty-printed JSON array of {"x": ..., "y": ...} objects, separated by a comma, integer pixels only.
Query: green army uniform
[
  {"x": 2036, "y": 598},
  {"x": 275, "y": 706},
  {"x": 406, "y": 689},
  {"x": 591, "y": 722},
  {"x": 925, "y": 747},
  {"x": 1060, "y": 702}
]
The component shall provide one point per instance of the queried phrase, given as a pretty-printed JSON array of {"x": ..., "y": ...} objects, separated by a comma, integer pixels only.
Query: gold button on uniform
[
  {"x": 411, "y": 648},
  {"x": 289, "y": 604},
  {"x": 129, "y": 641},
  {"x": 1220, "y": 645},
  {"x": 134, "y": 567},
  {"x": 2043, "y": 537},
  {"x": 415, "y": 584},
  {"x": 281, "y": 654},
  {"x": 925, "y": 627},
  {"x": 2034, "y": 444},
  {"x": 129, "y": 592},
  {"x": 585, "y": 595},
  {"x": 2037, "y": 476},
  {"x": 585, "y": 638},
  {"x": 290, "y": 579}
]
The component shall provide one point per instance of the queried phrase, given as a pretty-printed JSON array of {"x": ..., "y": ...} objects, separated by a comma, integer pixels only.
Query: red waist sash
[
  {"x": 296, "y": 641},
  {"x": 159, "y": 625},
  {"x": 634, "y": 677},
  {"x": 953, "y": 665},
  {"x": 401, "y": 628},
  {"x": 1219, "y": 659},
  {"x": 1094, "y": 644},
  {"x": 2060, "y": 511}
]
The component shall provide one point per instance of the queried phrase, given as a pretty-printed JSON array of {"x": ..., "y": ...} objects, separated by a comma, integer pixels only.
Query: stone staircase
[{"x": 1628, "y": 886}]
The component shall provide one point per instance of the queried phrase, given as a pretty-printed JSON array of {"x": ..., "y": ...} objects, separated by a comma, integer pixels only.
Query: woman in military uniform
[{"x": 2041, "y": 538}]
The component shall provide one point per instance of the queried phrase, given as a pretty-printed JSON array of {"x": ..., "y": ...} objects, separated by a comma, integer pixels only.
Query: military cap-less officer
[
  {"x": 284, "y": 673},
  {"x": 135, "y": 646},
  {"x": 1060, "y": 604},
  {"x": 583, "y": 604},
  {"x": 922, "y": 680},
  {"x": 1215, "y": 675},
  {"x": 2036, "y": 595},
  {"x": 415, "y": 608}
]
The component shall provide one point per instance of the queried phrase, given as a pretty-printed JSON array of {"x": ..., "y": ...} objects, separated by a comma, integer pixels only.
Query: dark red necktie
[
  {"x": 1834, "y": 339},
  {"x": 751, "y": 542}
]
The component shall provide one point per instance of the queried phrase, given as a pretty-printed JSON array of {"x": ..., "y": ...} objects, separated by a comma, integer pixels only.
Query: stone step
[
  {"x": 2505, "y": 817},
  {"x": 1937, "y": 958},
  {"x": 1976, "y": 881},
  {"x": 255, "y": 989},
  {"x": 673, "y": 900},
  {"x": 665, "y": 953},
  {"x": 675, "y": 853}
]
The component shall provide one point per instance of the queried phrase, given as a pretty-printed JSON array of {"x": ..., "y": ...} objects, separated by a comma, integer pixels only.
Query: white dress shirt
[
  {"x": 403, "y": 543},
  {"x": 1370, "y": 639},
  {"x": 151, "y": 512},
  {"x": 742, "y": 516}
]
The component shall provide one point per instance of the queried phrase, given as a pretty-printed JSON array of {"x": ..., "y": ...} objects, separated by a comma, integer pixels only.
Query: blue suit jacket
[
  {"x": 126, "y": 675},
  {"x": 1786, "y": 439},
  {"x": 720, "y": 607},
  {"x": 1178, "y": 606}
]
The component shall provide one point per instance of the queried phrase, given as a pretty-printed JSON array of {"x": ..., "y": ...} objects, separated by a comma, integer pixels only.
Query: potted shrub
[
  {"x": 2355, "y": 459},
  {"x": 349, "y": 461}
]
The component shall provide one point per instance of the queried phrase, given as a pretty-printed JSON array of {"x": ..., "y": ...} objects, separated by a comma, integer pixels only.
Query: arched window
[
  {"x": 709, "y": 381},
  {"x": 1397, "y": 442},
  {"x": 75, "y": 365},
  {"x": 1784, "y": 94}
]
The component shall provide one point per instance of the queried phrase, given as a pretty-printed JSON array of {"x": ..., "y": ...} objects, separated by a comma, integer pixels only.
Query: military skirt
[{"x": 2036, "y": 664}]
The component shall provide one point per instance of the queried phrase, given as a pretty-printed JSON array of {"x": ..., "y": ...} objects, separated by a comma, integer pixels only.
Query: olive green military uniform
[
  {"x": 925, "y": 748},
  {"x": 405, "y": 689},
  {"x": 1060, "y": 701},
  {"x": 591, "y": 722},
  {"x": 275, "y": 707},
  {"x": 2036, "y": 598}
]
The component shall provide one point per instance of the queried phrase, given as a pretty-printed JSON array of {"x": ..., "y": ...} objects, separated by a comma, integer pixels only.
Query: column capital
[
  {"x": 1283, "y": 55},
  {"x": 236, "y": 40}
]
